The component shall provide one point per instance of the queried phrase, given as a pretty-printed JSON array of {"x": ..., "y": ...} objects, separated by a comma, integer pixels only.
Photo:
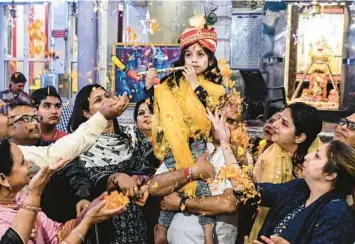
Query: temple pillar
[{"x": 87, "y": 43}]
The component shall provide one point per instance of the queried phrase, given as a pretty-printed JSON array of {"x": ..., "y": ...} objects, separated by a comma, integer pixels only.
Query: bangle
[
  {"x": 182, "y": 205},
  {"x": 31, "y": 208},
  {"x": 190, "y": 174},
  {"x": 78, "y": 234},
  {"x": 186, "y": 173}
]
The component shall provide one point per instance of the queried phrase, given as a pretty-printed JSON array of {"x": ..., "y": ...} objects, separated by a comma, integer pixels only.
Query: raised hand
[
  {"x": 151, "y": 78},
  {"x": 114, "y": 107},
  {"x": 222, "y": 132},
  {"x": 39, "y": 181},
  {"x": 190, "y": 76}
]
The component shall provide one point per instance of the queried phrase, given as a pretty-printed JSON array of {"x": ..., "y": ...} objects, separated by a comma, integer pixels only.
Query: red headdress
[
  {"x": 201, "y": 30},
  {"x": 205, "y": 37}
]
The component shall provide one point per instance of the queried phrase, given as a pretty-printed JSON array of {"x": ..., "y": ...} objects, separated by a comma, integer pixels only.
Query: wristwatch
[
  {"x": 182, "y": 205},
  {"x": 238, "y": 194}
]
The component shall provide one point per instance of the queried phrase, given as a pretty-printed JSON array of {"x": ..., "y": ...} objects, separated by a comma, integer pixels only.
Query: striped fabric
[{"x": 205, "y": 37}]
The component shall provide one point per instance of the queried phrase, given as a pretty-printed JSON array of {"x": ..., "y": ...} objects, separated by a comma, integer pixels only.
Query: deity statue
[
  {"x": 333, "y": 96},
  {"x": 318, "y": 85},
  {"x": 321, "y": 55}
]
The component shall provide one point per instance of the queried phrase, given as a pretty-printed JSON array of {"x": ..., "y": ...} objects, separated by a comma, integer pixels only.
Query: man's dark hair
[
  {"x": 18, "y": 103},
  {"x": 18, "y": 77},
  {"x": 42, "y": 93}
]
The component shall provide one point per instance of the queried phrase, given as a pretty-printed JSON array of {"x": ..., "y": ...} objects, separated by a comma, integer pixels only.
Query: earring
[{"x": 6, "y": 181}]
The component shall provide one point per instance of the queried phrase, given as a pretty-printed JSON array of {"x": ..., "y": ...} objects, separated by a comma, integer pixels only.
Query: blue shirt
[{"x": 329, "y": 219}]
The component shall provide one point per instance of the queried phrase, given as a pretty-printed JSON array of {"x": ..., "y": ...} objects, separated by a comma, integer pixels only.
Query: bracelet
[
  {"x": 31, "y": 208},
  {"x": 78, "y": 234},
  {"x": 186, "y": 173},
  {"x": 190, "y": 174},
  {"x": 238, "y": 194},
  {"x": 182, "y": 205}
]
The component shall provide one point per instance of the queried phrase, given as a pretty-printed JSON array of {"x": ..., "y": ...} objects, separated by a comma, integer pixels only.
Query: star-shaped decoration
[
  {"x": 352, "y": 6},
  {"x": 147, "y": 24},
  {"x": 268, "y": 12}
]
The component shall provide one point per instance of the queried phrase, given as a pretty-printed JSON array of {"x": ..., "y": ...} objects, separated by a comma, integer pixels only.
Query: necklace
[{"x": 10, "y": 204}]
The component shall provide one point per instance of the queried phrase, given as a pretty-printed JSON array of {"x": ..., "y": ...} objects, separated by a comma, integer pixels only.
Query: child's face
[{"x": 196, "y": 57}]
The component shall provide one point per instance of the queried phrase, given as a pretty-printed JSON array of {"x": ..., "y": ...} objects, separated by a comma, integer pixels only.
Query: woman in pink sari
[{"x": 14, "y": 176}]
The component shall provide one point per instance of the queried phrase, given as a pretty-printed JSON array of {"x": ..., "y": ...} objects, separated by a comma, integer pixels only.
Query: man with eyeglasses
[
  {"x": 70, "y": 185},
  {"x": 345, "y": 131},
  {"x": 69, "y": 146}
]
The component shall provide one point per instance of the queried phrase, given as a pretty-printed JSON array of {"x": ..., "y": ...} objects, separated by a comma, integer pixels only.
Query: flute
[{"x": 172, "y": 69}]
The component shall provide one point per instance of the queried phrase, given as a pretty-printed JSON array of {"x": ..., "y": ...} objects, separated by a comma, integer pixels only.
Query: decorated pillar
[{"x": 87, "y": 43}]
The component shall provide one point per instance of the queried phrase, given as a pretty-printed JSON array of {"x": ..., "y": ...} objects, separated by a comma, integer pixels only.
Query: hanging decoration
[
  {"x": 268, "y": 12},
  {"x": 131, "y": 35},
  {"x": 352, "y": 6},
  {"x": 147, "y": 24},
  {"x": 13, "y": 11},
  {"x": 37, "y": 38},
  {"x": 74, "y": 9}
]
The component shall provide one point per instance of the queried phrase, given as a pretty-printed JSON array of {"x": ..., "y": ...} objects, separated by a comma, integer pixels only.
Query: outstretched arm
[
  {"x": 79, "y": 141},
  {"x": 166, "y": 183},
  {"x": 225, "y": 203}
]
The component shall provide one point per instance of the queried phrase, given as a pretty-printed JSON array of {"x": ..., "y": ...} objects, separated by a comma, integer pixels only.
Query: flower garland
[
  {"x": 116, "y": 199},
  {"x": 246, "y": 188}
]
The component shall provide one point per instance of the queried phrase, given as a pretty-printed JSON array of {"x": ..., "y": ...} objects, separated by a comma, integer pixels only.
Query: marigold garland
[
  {"x": 247, "y": 186},
  {"x": 260, "y": 148},
  {"x": 116, "y": 199}
]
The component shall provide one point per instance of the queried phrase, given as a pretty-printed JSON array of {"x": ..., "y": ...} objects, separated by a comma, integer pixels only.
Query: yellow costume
[
  {"x": 178, "y": 116},
  {"x": 274, "y": 166}
]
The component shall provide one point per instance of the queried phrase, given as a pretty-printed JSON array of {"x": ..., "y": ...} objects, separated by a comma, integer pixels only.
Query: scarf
[
  {"x": 110, "y": 149},
  {"x": 274, "y": 166},
  {"x": 178, "y": 116}
]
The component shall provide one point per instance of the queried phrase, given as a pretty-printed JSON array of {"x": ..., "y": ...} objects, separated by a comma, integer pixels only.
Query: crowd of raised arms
[{"x": 185, "y": 173}]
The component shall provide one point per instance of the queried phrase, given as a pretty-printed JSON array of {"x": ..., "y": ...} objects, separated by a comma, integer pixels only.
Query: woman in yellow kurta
[{"x": 296, "y": 134}]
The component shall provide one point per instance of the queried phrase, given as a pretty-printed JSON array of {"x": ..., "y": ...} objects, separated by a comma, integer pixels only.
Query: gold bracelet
[
  {"x": 78, "y": 234},
  {"x": 31, "y": 208}
]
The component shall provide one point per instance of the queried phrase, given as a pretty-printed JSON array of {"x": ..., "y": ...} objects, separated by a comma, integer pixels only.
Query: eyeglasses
[
  {"x": 28, "y": 119},
  {"x": 349, "y": 124}
]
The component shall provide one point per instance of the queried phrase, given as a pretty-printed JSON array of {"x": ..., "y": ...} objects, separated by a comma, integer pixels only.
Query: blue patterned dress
[{"x": 127, "y": 151}]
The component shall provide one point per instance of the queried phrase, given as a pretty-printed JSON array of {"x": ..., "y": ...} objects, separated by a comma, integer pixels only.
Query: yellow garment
[
  {"x": 178, "y": 116},
  {"x": 274, "y": 166}
]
